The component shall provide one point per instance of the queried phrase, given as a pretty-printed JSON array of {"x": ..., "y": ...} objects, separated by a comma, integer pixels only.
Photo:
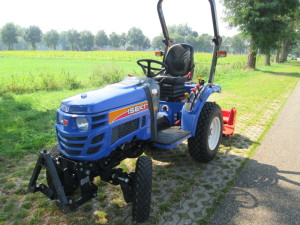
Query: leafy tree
[
  {"x": 226, "y": 44},
  {"x": 146, "y": 43},
  {"x": 290, "y": 34},
  {"x": 183, "y": 33},
  {"x": 260, "y": 20},
  {"x": 157, "y": 42},
  {"x": 123, "y": 40},
  {"x": 182, "y": 30},
  {"x": 129, "y": 48},
  {"x": 101, "y": 39},
  {"x": 114, "y": 40},
  {"x": 73, "y": 37},
  {"x": 1, "y": 46},
  {"x": 136, "y": 38},
  {"x": 63, "y": 40},
  {"x": 51, "y": 39},
  {"x": 177, "y": 38},
  {"x": 86, "y": 41},
  {"x": 190, "y": 39},
  {"x": 295, "y": 49},
  {"x": 238, "y": 44},
  {"x": 33, "y": 35},
  {"x": 22, "y": 44},
  {"x": 9, "y": 35},
  {"x": 205, "y": 43}
]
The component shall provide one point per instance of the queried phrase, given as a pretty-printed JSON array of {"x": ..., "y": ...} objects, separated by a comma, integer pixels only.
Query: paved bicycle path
[{"x": 268, "y": 189}]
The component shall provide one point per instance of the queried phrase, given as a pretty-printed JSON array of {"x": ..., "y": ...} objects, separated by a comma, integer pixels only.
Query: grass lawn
[{"x": 27, "y": 126}]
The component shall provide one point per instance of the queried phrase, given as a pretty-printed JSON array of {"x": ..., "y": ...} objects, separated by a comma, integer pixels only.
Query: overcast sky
[{"x": 110, "y": 15}]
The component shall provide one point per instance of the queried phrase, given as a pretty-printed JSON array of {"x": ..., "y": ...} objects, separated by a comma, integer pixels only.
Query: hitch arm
[{"x": 45, "y": 160}]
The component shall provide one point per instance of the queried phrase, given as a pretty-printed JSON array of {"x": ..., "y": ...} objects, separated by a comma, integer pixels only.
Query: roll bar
[{"x": 217, "y": 38}]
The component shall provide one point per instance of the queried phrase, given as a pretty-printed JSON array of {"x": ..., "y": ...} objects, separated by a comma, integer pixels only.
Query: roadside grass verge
[{"x": 27, "y": 121}]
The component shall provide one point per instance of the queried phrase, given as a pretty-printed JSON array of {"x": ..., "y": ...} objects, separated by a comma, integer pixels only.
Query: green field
[
  {"x": 25, "y": 71},
  {"x": 28, "y": 103}
]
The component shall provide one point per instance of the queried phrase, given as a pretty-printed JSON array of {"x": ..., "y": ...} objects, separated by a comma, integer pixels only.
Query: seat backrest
[{"x": 180, "y": 60}]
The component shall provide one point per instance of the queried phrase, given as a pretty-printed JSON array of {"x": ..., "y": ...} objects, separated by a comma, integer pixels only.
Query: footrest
[{"x": 171, "y": 135}]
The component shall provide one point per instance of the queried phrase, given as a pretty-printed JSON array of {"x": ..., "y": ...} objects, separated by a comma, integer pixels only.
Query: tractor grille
[
  {"x": 98, "y": 121},
  {"x": 73, "y": 138},
  {"x": 97, "y": 139},
  {"x": 78, "y": 109},
  {"x": 75, "y": 145},
  {"x": 72, "y": 145},
  {"x": 143, "y": 121},
  {"x": 93, "y": 150},
  {"x": 72, "y": 152},
  {"x": 89, "y": 144},
  {"x": 124, "y": 129}
]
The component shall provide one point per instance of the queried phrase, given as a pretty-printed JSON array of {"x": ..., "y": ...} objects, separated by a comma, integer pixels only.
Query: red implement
[{"x": 229, "y": 117}]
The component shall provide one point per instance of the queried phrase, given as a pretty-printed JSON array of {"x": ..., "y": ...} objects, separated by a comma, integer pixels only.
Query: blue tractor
[{"x": 98, "y": 129}]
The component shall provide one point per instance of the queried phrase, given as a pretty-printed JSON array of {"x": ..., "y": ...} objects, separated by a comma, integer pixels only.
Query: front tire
[
  {"x": 204, "y": 145},
  {"x": 142, "y": 187}
]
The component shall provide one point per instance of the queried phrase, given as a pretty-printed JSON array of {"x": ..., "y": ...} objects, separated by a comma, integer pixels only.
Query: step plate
[{"x": 171, "y": 135}]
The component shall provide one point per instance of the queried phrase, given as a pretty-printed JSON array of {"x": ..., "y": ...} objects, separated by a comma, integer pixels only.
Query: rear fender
[{"x": 190, "y": 118}]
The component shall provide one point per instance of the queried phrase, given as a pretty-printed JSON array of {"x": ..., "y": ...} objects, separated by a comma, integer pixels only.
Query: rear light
[
  {"x": 221, "y": 54},
  {"x": 159, "y": 53}
]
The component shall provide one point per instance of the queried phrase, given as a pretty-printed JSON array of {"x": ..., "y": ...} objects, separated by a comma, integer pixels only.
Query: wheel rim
[{"x": 214, "y": 133}]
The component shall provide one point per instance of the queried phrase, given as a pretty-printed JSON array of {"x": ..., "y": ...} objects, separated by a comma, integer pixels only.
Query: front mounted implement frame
[{"x": 57, "y": 191}]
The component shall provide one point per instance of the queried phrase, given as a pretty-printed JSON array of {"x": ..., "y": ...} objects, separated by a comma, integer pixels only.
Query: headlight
[
  {"x": 82, "y": 123},
  {"x": 64, "y": 107}
]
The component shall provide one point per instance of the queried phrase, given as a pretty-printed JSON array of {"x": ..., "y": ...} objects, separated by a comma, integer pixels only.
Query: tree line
[{"x": 18, "y": 38}]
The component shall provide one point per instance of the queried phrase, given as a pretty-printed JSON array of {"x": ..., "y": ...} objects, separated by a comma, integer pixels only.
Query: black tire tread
[
  {"x": 197, "y": 145},
  {"x": 142, "y": 189}
]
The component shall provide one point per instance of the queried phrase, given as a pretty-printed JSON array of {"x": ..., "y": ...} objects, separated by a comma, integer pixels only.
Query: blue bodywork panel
[
  {"x": 173, "y": 112},
  {"x": 107, "y": 98},
  {"x": 115, "y": 114},
  {"x": 190, "y": 118}
]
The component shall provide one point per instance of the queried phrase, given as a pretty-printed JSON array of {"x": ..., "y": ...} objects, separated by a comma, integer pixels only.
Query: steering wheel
[{"x": 147, "y": 69}]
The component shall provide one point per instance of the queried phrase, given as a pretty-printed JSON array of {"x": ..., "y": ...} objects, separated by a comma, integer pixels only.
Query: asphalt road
[{"x": 268, "y": 189}]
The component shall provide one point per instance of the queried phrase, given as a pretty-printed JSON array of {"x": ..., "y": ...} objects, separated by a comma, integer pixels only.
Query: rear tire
[
  {"x": 142, "y": 186},
  {"x": 204, "y": 145}
]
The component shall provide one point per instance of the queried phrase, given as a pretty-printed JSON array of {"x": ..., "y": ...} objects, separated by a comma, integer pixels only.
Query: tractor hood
[{"x": 112, "y": 96}]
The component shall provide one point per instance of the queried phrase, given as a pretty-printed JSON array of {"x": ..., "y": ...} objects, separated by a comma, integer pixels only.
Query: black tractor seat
[{"x": 180, "y": 62}]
